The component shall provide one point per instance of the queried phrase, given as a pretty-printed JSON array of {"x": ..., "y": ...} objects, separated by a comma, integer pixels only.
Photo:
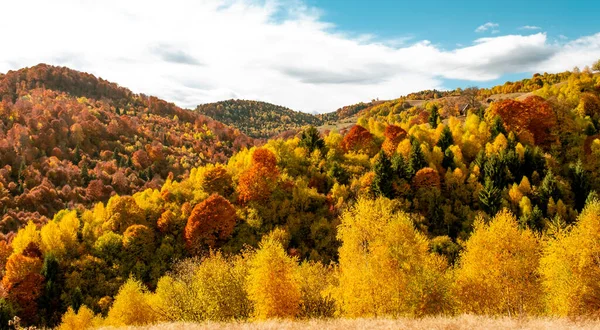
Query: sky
[{"x": 308, "y": 55}]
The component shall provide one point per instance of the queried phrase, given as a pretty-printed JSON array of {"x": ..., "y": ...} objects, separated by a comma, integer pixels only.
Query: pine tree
[
  {"x": 448, "y": 161},
  {"x": 311, "y": 139},
  {"x": 400, "y": 166},
  {"x": 117, "y": 156},
  {"x": 549, "y": 188},
  {"x": 497, "y": 127},
  {"x": 434, "y": 116},
  {"x": 580, "y": 184},
  {"x": 382, "y": 183},
  {"x": 77, "y": 155},
  {"x": 490, "y": 197},
  {"x": 50, "y": 299},
  {"x": 417, "y": 159},
  {"x": 85, "y": 177},
  {"x": 446, "y": 139}
]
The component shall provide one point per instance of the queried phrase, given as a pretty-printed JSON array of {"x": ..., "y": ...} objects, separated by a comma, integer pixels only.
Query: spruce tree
[
  {"x": 382, "y": 183},
  {"x": 446, "y": 139},
  {"x": 400, "y": 166},
  {"x": 77, "y": 155},
  {"x": 497, "y": 127},
  {"x": 85, "y": 177},
  {"x": 448, "y": 161},
  {"x": 580, "y": 184},
  {"x": 490, "y": 197},
  {"x": 50, "y": 299},
  {"x": 434, "y": 116},
  {"x": 311, "y": 139},
  {"x": 417, "y": 159}
]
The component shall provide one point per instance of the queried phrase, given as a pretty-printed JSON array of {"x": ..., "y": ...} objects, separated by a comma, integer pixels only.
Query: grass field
[{"x": 430, "y": 323}]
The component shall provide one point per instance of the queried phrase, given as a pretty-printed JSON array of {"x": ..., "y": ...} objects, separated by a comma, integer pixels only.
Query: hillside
[
  {"x": 69, "y": 139},
  {"x": 416, "y": 211},
  {"x": 257, "y": 119}
]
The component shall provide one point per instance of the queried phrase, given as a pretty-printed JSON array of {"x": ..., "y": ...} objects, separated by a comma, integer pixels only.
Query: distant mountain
[
  {"x": 258, "y": 119},
  {"x": 69, "y": 139},
  {"x": 347, "y": 111}
]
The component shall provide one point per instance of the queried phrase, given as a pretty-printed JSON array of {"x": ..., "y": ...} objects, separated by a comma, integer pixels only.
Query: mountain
[
  {"x": 69, "y": 139},
  {"x": 258, "y": 119}
]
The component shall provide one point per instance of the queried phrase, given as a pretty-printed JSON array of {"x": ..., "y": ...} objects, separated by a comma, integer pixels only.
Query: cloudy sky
[{"x": 312, "y": 56}]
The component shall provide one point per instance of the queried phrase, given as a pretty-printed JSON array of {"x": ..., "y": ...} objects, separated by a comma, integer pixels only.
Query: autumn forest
[{"x": 121, "y": 209}]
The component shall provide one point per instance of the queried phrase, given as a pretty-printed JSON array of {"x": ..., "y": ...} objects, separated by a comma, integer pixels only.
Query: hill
[
  {"x": 418, "y": 210},
  {"x": 257, "y": 119},
  {"x": 69, "y": 139}
]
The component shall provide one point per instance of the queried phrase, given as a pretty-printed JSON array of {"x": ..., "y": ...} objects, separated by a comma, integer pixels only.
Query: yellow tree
[
  {"x": 386, "y": 268},
  {"x": 131, "y": 306},
  {"x": 497, "y": 271},
  {"x": 272, "y": 284},
  {"x": 570, "y": 267}
]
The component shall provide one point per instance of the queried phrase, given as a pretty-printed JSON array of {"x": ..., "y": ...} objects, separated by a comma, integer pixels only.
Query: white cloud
[
  {"x": 487, "y": 26},
  {"x": 192, "y": 52},
  {"x": 530, "y": 27}
]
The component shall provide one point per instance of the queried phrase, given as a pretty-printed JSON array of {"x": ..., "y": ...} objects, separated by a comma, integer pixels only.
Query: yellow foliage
[
  {"x": 314, "y": 280},
  {"x": 83, "y": 319},
  {"x": 26, "y": 235},
  {"x": 60, "y": 234},
  {"x": 569, "y": 267},
  {"x": 272, "y": 284},
  {"x": 496, "y": 274},
  {"x": 211, "y": 290},
  {"x": 525, "y": 186},
  {"x": 386, "y": 268},
  {"x": 515, "y": 193},
  {"x": 131, "y": 306},
  {"x": 404, "y": 148}
]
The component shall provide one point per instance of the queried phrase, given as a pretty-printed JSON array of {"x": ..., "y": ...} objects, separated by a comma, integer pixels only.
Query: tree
[
  {"x": 434, "y": 116},
  {"x": 580, "y": 184},
  {"x": 359, "y": 139},
  {"x": 210, "y": 224},
  {"x": 386, "y": 268},
  {"x": 393, "y": 135},
  {"x": 217, "y": 180},
  {"x": 23, "y": 282},
  {"x": 569, "y": 267},
  {"x": 272, "y": 284},
  {"x": 258, "y": 182},
  {"x": 596, "y": 66},
  {"x": 497, "y": 127},
  {"x": 122, "y": 212},
  {"x": 82, "y": 319},
  {"x": 446, "y": 139},
  {"x": 310, "y": 138},
  {"x": 490, "y": 197},
  {"x": 427, "y": 178},
  {"x": 497, "y": 270},
  {"x": 131, "y": 306},
  {"x": 382, "y": 182},
  {"x": 417, "y": 158}
]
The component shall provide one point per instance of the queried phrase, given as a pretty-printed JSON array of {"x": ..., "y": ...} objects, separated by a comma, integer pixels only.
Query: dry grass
[{"x": 430, "y": 323}]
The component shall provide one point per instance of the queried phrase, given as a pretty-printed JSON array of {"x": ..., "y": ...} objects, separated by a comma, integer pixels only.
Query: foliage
[
  {"x": 497, "y": 270},
  {"x": 273, "y": 286},
  {"x": 257, "y": 119},
  {"x": 386, "y": 268}
]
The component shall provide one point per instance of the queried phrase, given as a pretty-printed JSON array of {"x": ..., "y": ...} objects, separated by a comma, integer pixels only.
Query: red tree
[
  {"x": 358, "y": 139},
  {"x": 210, "y": 223}
]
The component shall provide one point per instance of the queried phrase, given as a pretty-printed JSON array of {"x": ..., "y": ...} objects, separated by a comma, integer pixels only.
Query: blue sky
[
  {"x": 452, "y": 24},
  {"x": 309, "y": 55}
]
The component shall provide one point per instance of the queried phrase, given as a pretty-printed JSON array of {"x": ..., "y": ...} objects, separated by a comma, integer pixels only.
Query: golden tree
[
  {"x": 570, "y": 268},
  {"x": 386, "y": 268},
  {"x": 497, "y": 271},
  {"x": 272, "y": 284}
]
